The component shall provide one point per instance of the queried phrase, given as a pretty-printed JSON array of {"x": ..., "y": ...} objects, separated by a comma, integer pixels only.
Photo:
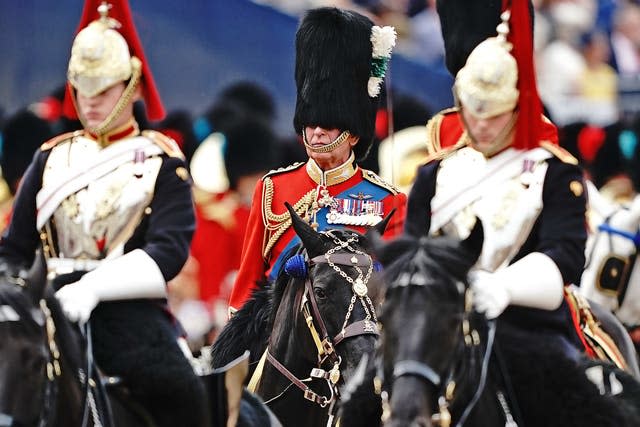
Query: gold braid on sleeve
[{"x": 277, "y": 224}]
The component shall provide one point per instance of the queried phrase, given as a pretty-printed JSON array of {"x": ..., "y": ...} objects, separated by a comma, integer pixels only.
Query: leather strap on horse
[
  {"x": 257, "y": 373},
  {"x": 598, "y": 343},
  {"x": 308, "y": 393},
  {"x": 324, "y": 346},
  {"x": 361, "y": 327}
]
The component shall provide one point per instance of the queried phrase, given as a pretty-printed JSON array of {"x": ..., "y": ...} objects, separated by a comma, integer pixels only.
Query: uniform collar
[
  {"x": 127, "y": 130},
  {"x": 332, "y": 176}
]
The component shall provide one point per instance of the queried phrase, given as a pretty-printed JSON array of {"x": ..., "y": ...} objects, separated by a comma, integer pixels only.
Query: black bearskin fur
[
  {"x": 333, "y": 64},
  {"x": 465, "y": 24}
]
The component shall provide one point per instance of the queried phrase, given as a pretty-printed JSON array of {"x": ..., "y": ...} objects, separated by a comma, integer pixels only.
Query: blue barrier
[{"x": 195, "y": 48}]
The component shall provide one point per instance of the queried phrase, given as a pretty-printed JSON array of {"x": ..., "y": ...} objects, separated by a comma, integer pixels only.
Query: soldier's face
[
  {"x": 489, "y": 135},
  {"x": 318, "y": 137},
  {"x": 97, "y": 108}
]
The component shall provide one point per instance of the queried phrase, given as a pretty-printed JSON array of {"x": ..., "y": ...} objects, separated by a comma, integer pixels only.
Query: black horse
[
  {"x": 47, "y": 377},
  {"x": 440, "y": 363},
  {"x": 315, "y": 323}
]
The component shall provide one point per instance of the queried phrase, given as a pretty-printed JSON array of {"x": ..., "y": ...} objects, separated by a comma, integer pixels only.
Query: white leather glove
[
  {"x": 134, "y": 275},
  {"x": 78, "y": 300},
  {"x": 490, "y": 296},
  {"x": 533, "y": 281}
]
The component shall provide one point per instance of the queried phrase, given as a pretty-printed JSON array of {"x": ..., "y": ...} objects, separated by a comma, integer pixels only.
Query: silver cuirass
[
  {"x": 99, "y": 195},
  {"x": 504, "y": 192}
]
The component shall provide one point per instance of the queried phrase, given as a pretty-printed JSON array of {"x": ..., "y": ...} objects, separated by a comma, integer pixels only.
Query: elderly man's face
[{"x": 318, "y": 137}]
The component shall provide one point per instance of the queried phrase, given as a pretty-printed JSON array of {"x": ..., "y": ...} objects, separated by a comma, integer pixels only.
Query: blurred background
[{"x": 195, "y": 49}]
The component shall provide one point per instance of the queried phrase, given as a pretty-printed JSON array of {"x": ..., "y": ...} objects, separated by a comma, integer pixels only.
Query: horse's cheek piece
[{"x": 296, "y": 267}]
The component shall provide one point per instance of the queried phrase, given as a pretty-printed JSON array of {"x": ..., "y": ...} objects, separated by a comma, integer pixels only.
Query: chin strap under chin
[
  {"x": 124, "y": 100},
  {"x": 501, "y": 141},
  {"x": 329, "y": 147}
]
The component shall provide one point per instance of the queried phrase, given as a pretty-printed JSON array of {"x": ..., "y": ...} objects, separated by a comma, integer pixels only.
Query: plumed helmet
[
  {"x": 107, "y": 50},
  {"x": 488, "y": 87},
  {"x": 341, "y": 58},
  {"x": 487, "y": 84},
  {"x": 99, "y": 58}
]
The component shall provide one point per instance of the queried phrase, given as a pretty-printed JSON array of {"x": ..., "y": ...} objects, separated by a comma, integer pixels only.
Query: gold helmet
[
  {"x": 105, "y": 51},
  {"x": 100, "y": 56},
  {"x": 487, "y": 84}
]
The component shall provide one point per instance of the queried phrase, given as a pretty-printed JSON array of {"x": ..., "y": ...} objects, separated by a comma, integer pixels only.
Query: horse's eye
[{"x": 320, "y": 293}]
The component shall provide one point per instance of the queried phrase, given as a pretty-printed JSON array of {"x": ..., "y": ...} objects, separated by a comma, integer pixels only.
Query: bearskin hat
[
  {"x": 466, "y": 24},
  {"x": 23, "y": 133},
  {"x": 333, "y": 66},
  {"x": 249, "y": 149}
]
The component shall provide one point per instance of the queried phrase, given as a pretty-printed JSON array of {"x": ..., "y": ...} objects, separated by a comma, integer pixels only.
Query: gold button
[
  {"x": 182, "y": 173},
  {"x": 576, "y": 188},
  {"x": 148, "y": 210}
]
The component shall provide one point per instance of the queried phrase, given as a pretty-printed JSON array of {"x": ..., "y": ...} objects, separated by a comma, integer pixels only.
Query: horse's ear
[
  {"x": 472, "y": 245},
  {"x": 37, "y": 277},
  {"x": 382, "y": 225},
  {"x": 310, "y": 238}
]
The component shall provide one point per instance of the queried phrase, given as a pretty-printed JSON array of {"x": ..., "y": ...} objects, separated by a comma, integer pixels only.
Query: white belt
[{"x": 69, "y": 265}]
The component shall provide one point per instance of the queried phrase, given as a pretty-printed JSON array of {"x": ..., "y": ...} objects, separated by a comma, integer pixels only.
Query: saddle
[{"x": 597, "y": 343}]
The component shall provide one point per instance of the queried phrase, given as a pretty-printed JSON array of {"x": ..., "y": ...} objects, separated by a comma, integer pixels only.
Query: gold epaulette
[
  {"x": 559, "y": 152},
  {"x": 60, "y": 138},
  {"x": 375, "y": 179},
  {"x": 167, "y": 144},
  {"x": 433, "y": 130},
  {"x": 272, "y": 172},
  {"x": 442, "y": 153}
]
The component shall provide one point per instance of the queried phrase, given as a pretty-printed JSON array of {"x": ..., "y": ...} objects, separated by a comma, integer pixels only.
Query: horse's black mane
[
  {"x": 251, "y": 325},
  {"x": 245, "y": 328}
]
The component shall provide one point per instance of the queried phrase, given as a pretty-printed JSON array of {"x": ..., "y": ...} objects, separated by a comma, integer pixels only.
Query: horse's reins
[{"x": 325, "y": 345}]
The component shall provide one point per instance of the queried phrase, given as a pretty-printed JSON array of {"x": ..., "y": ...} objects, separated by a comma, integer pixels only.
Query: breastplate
[
  {"x": 99, "y": 218},
  {"x": 508, "y": 209}
]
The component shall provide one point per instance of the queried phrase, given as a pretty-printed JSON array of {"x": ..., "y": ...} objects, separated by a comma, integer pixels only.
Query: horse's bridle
[
  {"x": 445, "y": 389},
  {"x": 325, "y": 344},
  {"x": 54, "y": 371}
]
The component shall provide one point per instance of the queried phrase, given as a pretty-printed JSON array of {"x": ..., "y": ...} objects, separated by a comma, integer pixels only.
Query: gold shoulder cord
[
  {"x": 277, "y": 224},
  {"x": 433, "y": 132}
]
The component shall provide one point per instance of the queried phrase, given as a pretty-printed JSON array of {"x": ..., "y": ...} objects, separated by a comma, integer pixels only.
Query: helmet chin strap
[
  {"x": 500, "y": 142},
  {"x": 125, "y": 99},
  {"x": 329, "y": 147}
]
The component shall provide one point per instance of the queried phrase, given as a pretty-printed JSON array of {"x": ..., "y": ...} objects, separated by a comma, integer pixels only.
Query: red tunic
[
  {"x": 217, "y": 242},
  {"x": 269, "y": 233}
]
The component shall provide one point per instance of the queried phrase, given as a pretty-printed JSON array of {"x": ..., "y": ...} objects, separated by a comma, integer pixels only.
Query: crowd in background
[{"x": 588, "y": 63}]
